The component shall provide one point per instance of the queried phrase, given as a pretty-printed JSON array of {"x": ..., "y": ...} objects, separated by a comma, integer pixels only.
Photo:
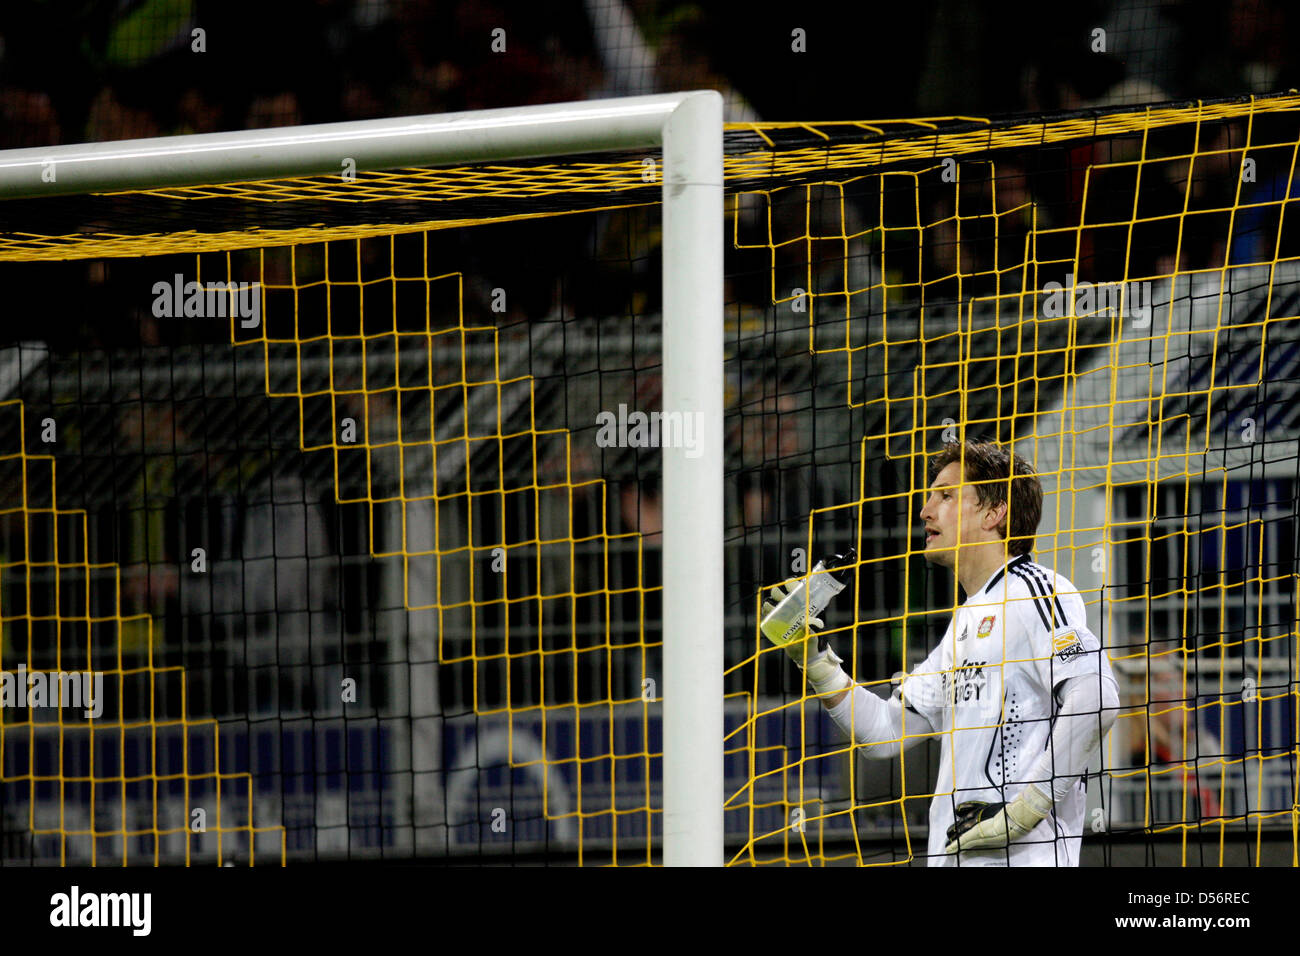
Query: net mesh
[{"x": 429, "y": 624}]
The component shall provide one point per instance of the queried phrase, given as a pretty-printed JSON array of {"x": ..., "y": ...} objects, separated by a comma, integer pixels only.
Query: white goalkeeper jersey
[{"x": 989, "y": 690}]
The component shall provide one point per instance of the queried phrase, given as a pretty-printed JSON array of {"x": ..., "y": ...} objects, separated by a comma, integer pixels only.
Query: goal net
[{"x": 350, "y": 487}]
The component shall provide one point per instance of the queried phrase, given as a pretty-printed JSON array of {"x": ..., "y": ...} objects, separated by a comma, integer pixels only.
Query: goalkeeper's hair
[{"x": 991, "y": 469}]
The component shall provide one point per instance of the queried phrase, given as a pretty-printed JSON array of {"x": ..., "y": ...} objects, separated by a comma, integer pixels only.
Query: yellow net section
[
  {"x": 518, "y": 610},
  {"x": 108, "y": 764}
]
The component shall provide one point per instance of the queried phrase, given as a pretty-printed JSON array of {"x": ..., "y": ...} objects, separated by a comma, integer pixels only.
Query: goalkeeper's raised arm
[{"x": 861, "y": 715}]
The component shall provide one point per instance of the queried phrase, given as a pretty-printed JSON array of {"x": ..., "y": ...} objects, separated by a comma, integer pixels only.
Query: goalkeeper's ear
[{"x": 995, "y": 517}]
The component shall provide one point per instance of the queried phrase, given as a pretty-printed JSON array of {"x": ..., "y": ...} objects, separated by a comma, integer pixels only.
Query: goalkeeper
[{"x": 1019, "y": 689}]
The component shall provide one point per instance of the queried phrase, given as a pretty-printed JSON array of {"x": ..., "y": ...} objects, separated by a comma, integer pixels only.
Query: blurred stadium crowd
[{"x": 92, "y": 70}]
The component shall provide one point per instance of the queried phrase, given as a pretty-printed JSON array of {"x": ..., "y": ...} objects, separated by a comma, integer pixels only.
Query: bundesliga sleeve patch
[{"x": 1067, "y": 646}]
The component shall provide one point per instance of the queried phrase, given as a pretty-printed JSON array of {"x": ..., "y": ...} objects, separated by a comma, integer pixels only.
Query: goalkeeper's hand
[
  {"x": 985, "y": 826},
  {"x": 819, "y": 663}
]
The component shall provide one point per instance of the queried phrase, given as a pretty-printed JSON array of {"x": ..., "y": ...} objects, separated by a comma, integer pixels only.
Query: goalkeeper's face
[{"x": 953, "y": 518}]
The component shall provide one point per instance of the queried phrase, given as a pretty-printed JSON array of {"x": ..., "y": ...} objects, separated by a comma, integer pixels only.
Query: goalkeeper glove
[
  {"x": 820, "y": 664},
  {"x": 984, "y": 826}
]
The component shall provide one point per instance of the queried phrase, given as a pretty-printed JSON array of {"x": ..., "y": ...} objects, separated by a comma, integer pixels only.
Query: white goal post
[{"x": 688, "y": 126}]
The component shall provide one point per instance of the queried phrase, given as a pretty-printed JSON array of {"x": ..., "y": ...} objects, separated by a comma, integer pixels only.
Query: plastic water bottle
[{"x": 828, "y": 578}]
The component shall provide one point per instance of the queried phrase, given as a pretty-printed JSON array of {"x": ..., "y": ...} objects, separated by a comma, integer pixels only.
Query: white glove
[
  {"x": 821, "y": 666},
  {"x": 984, "y": 826}
]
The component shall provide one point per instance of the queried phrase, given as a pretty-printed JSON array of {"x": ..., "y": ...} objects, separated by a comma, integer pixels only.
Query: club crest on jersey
[
  {"x": 986, "y": 626},
  {"x": 1067, "y": 646}
]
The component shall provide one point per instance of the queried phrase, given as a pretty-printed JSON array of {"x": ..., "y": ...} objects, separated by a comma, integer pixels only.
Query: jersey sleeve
[
  {"x": 922, "y": 691},
  {"x": 1062, "y": 645},
  {"x": 867, "y": 720}
]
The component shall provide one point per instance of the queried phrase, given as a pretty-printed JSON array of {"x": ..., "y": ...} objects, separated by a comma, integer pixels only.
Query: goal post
[{"x": 688, "y": 128}]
